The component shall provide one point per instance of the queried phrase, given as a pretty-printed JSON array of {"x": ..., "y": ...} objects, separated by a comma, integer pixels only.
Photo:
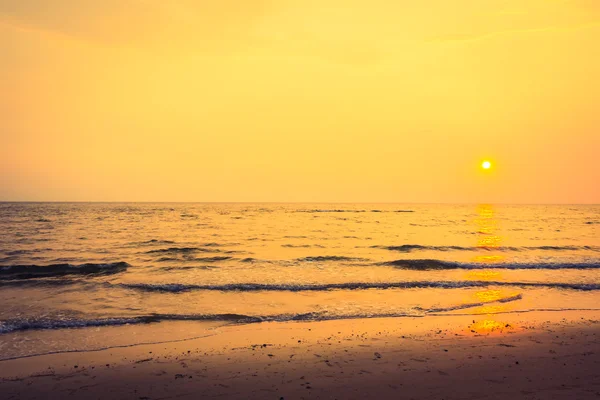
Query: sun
[{"x": 486, "y": 165}]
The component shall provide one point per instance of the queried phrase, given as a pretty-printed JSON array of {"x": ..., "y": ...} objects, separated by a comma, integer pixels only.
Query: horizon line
[{"x": 282, "y": 202}]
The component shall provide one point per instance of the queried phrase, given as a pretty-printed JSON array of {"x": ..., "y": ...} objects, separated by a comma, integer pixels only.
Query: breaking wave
[
  {"x": 255, "y": 287},
  {"x": 330, "y": 258},
  {"x": 407, "y": 248},
  {"x": 16, "y": 325},
  {"x": 37, "y": 271},
  {"x": 182, "y": 250},
  {"x": 196, "y": 259},
  {"x": 432, "y": 264},
  {"x": 9, "y": 326}
]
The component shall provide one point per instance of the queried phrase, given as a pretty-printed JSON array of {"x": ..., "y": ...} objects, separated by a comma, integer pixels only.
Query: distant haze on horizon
[{"x": 288, "y": 101}]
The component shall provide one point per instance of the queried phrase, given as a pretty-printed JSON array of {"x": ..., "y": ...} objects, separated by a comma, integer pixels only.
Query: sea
[{"x": 92, "y": 276}]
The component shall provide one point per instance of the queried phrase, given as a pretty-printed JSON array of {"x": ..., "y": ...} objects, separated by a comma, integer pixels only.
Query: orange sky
[{"x": 314, "y": 100}]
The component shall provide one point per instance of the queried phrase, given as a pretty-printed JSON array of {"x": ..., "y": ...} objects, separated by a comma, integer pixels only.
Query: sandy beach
[{"x": 533, "y": 355}]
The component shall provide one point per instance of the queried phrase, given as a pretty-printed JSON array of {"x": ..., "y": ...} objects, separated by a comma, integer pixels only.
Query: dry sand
[{"x": 535, "y": 355}]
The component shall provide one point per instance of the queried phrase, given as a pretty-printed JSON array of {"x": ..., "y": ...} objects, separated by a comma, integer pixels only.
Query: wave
[
  {"x": 407, "y": 248},
  {"x": 559, "y": 248},
  {"x": 154, "y": 242},
  {"x": 478, "y": 304},
  {"x": 330, "y": 258},
  {"x": 23, "y": 252},
  {"x": 188, "y": 267},
  {"x": 37, "y": 271},
  {"x": 255, "y": 287},
  {"x": 182, "y": 250},
  {"x": 291, "y": 287},
  {"x": 196, "y": 259},
  {"x": 214, "y": 244},
  {"x": 158, "y": 242},
  {"x": 9, "y": 326},
  {"x": 432, "y": 264},
  {"x": 299, "y": 246}
]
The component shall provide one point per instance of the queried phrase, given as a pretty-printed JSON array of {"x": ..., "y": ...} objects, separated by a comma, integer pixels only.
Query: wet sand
[{"x": 534, "y": 355}]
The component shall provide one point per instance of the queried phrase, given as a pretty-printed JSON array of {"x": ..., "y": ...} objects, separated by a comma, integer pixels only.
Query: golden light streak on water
[{"x": 483, "y": 275}]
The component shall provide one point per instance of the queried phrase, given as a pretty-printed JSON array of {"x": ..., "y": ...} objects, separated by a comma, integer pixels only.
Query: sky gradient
[{"x": 328, "y": 100}]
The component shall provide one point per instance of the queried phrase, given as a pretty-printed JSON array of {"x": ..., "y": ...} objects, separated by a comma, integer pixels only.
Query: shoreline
[{"x": 547, "y": 354}]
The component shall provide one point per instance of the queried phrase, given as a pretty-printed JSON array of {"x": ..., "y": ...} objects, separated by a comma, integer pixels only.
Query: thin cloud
[
  {"x": 486, "y": 35},
  {"x": 126, "y": 22}
]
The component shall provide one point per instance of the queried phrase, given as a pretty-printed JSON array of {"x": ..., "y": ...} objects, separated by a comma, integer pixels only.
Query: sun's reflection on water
[
  {"x": 483, "y": 275},
  {"x": 489, "y": 240},
  {"x": 491, "y": 309},
  {"x": 489, "y": 259},
  {"x": 487, "y": 231},
  {"x": 488, "y": 295}
]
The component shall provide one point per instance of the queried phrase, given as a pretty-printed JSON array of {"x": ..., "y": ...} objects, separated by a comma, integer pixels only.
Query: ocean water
[{"x": 84, "y": 276}]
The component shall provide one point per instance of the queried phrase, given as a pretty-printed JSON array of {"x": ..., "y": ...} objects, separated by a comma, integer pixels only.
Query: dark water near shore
[{"x": 99, "y": 265}]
